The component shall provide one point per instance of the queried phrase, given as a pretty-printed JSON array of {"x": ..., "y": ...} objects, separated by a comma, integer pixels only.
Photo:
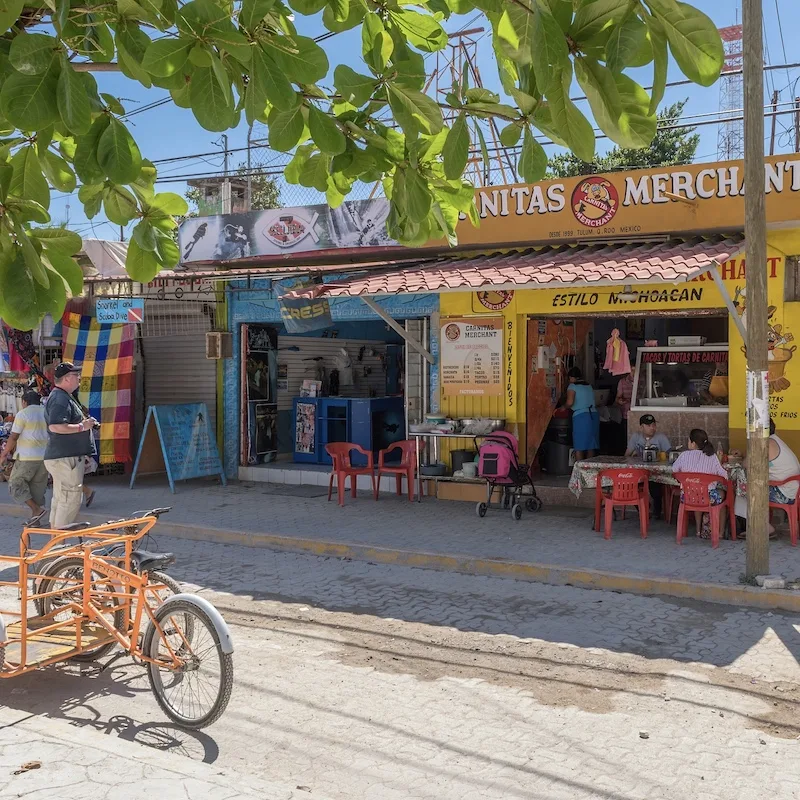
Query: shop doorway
[{"x": 676, "y": 387}]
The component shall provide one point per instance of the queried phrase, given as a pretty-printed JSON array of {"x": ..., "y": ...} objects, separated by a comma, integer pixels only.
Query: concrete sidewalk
[
  {"x": 554, "y": 546},
  {"x": 43, "y": 757}
]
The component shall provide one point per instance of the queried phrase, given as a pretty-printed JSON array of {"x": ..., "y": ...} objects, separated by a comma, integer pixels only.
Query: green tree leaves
[
  {"x": 693, "y": 40},
  {"x": 73, "y": 102},
  {"x": 33, "y": 53},
  {"x": 166, "y": 57},
  {"x": 118, "y": 155},
  {"x": 456, "y": 148},
  {"x": 374, "y": 122}
]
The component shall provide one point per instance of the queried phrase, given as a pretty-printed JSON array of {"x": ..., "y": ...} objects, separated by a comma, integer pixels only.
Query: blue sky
[{"x": 169, "y": 131}]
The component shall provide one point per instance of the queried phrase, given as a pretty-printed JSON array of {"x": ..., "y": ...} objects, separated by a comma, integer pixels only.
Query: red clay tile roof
[{"x": 673, "y": 261}]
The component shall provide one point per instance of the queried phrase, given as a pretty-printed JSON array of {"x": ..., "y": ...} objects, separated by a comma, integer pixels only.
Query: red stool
[{"x": 629, "y": 487}]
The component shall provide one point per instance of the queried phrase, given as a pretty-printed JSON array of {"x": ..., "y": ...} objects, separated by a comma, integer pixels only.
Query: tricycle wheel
[
  {"x": 68, "y": 572},
  {"x": 516, "y": 511},
  {"x": 481, "y": 509},
  {"x": 196, "y": 693}
]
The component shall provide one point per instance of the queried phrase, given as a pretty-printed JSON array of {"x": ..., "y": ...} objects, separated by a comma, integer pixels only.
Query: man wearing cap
[
  {"x": 69, "y": 442},
  {"x": 647, "y": 436}
]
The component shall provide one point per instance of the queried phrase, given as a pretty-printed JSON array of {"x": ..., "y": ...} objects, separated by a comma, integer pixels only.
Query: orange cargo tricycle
[{"x": 86, "y": 590}]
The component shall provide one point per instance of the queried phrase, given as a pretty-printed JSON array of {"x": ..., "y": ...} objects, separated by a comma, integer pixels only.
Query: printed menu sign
[{"x": 471, "y": 356}]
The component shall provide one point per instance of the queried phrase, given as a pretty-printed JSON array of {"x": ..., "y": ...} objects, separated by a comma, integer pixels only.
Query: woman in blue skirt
[{"x": 585, "y": 420}]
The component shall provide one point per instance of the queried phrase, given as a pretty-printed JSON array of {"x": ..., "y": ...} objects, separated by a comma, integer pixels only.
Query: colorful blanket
[{"x": 105, "y": 353}]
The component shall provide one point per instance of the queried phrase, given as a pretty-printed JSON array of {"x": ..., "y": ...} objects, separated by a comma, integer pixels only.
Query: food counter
[{"x": 683, "y": 388}]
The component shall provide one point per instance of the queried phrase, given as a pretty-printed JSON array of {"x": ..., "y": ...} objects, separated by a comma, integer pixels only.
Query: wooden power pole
[{"x": 755, "y": 229}]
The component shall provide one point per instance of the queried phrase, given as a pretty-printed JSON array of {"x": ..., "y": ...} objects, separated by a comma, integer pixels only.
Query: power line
[{"x": 783, "y": 42}]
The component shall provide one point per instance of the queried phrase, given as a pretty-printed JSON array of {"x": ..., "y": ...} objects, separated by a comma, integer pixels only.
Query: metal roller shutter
[{"x": 176, "y": 369}]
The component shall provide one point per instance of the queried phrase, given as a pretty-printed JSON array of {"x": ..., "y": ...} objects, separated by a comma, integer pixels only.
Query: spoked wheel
[
  {"x": 533, "y": 504},
  {"x": 171, "y": 587},
  {"x": 197, "y": 692},
  {"x": 516, "y": 512},
  {"x": 481, "y": 509},
  {"x": 66, "y": 577}
]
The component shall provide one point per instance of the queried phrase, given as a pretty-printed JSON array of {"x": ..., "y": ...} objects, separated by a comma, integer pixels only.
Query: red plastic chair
[
  {"x": 343, "y": 468},
  {"x": 629, "y": 487},
  {"x": 695, "y": 490},
  {"x": 790, "y": 509},
  {"x": 407, "y": 466}
]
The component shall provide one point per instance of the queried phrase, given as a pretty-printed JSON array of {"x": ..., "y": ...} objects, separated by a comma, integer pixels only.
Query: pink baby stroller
[{"x": 498, "y": 464}]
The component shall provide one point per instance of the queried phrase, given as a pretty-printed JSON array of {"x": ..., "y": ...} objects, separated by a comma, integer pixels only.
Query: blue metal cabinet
[{"x": 374, "y": 424}]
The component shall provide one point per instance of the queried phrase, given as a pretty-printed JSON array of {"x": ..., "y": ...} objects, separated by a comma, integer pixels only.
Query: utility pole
[
  {"x": 226, "y": 184},
  {"x": 249, "y": 198},
  {"x": 755, "y": 229},
  {"x": 121, "y": 233},
  {"x": 775, "y": 96},
  {"x": 797, "y": 124}
]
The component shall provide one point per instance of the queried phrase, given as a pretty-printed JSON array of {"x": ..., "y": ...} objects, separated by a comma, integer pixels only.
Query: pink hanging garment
[{"x": 618, "y": 359}]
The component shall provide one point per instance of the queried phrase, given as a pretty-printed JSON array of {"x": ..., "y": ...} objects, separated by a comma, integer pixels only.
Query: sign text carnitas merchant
[{"x": 639, "y": 190}]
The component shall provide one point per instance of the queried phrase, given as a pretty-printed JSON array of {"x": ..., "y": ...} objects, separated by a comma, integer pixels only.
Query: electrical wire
[{"x": 783, "y": 41}]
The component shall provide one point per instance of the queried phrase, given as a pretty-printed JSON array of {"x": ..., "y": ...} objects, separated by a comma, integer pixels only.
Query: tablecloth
[{"x": 584, "y": 473}]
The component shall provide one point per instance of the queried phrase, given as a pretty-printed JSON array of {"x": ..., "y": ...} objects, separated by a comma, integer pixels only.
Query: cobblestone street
[{"x": 363, "y": 681}]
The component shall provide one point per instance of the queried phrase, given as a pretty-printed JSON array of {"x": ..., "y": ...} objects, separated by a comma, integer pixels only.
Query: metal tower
[
  {"x": 461, "y": 52},
  {"x": 730, "y": 138}
]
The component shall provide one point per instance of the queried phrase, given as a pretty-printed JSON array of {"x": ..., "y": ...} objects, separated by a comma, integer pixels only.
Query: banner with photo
[{"x": 283, "y": 231}]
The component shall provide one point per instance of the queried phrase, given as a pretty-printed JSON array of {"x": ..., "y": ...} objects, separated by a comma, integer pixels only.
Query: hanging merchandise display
[
  {"x": 618, "y": 360},
  {"x": 105, "y": 353}
]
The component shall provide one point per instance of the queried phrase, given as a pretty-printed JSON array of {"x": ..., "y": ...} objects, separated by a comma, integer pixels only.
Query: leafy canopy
[
  {"x": 672, "y": 145},
  {"x": 228, "y": 59}
]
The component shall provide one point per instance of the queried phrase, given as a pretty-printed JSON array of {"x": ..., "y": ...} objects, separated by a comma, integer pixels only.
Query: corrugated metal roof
[{"x": 673, "y": 261}]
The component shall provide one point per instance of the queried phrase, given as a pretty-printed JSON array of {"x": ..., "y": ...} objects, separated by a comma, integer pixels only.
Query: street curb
[{"x": 749, "y": 596}]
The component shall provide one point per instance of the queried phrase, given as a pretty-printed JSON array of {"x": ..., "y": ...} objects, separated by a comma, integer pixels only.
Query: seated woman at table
[
  {"x": 700, "y": 456},
  {"x": 585, "y": 419}
]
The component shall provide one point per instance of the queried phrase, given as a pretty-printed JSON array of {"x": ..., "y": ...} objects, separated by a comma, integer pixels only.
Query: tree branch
[{"x": 91, "y": 66}]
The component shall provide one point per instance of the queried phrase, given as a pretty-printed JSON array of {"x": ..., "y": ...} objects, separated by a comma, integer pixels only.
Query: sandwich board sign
[{"x": 178, "y": 440}]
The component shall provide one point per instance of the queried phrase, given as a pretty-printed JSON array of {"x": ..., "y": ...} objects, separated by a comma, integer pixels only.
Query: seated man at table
[
  {"x": 648, "y": 436},
  {"x": 783, "y": 464}
]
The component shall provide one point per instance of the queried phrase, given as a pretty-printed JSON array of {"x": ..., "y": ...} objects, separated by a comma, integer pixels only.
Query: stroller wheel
[
  {"x": 533, "y": 504},
  {"x": 481, "y": 509},
  {"x": 516, "y": 511}
]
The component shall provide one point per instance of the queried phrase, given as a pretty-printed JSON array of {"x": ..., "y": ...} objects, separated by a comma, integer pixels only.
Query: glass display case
[{"x": 681, "y": 377}]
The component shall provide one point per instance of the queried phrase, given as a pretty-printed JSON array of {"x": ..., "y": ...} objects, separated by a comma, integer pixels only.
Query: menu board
[{"x": 471, "y": 356}]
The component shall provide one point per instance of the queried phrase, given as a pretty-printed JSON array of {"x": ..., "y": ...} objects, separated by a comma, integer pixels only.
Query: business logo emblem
[
  {"x": 289, "y": 229},
  {"x": 495, "y": 300},
  {"x": 595, "y": 202},
  {"x": 452, "y": 332}
]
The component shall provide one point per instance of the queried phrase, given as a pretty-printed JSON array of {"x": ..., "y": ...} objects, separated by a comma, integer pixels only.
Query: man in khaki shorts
[
  {"x": 70, "y": 441},
  {"x": 27, "y": 443}
]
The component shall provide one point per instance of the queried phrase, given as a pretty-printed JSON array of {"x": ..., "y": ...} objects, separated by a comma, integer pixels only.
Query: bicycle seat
[
  {"x": 143, "y": 561},
  {"x": 77, "y": 526}
]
